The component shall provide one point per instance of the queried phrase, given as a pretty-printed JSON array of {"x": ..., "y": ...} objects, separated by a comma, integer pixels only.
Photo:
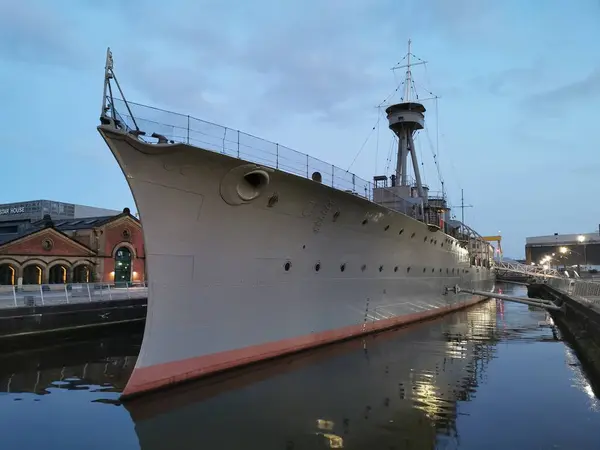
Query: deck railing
[
  {"x": 180, "y": 128},
  {"x": 186, "y": 129},
  {"x": 57, "y": 294}
]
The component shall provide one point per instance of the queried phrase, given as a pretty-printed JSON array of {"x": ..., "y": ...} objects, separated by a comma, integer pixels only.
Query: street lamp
[
  {"x": 563, "y": 250},
  {"x": 581, "y": 240}
]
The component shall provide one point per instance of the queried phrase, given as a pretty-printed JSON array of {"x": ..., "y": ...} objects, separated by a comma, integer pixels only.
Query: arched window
[
  {"x": 57, "y": 274},
  {"x": 32, "y": 274},
  {"x": 123, "y": 265},
  {"x": 7, "y": 274},
  {"x": 81, "y": 274}
]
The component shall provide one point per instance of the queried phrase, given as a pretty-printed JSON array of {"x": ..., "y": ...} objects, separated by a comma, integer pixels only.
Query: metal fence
[
  {"x": 587, "y": 292},
  {"x": 180, "y": 128},
  {"x": 58, "y": 294}
]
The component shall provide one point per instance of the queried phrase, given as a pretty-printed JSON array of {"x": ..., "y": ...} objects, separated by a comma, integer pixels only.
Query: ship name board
[{"x": 13, "y": 210}]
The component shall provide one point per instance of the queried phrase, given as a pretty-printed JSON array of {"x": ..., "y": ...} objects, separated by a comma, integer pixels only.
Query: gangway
[{"x": 506, "y": 268}]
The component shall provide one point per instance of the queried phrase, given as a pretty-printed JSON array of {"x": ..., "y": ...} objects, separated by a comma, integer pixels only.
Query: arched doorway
[
  {"x": 58, "y": 274},
  {"x": 7, "y": 274},
  {"x": 123, "y": 265},
  {"x": 81, "y": 274},
  {"x": 32, "y": 274}
]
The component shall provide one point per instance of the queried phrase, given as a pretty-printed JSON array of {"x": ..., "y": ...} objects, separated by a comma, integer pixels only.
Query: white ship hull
[
  {"x": 219, "y": 292},
  {"x": 399, "y": 388}
]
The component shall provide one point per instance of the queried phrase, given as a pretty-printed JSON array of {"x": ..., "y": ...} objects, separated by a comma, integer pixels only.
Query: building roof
[
  {"x": 79, "y": 224},
  {"x": 64, "y": 225},
  {"x": 562, "y": 239}
]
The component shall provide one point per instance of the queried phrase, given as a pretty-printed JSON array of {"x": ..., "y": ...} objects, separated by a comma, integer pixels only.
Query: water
[{"x": 495, "y": 376}]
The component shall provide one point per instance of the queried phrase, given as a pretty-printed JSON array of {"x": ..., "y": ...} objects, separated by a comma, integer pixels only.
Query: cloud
[
  {"x": 514, "y": 80},
  {"x": 33, "y": 31},
  {"x": 562, "y": 99}
]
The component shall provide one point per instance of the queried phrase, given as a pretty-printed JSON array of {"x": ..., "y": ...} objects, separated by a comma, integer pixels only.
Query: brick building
[{"x": 108, "y": 249}]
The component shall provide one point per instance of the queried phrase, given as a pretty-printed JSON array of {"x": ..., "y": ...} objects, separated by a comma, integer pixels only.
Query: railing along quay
[
  {"x": 586, "y": 292},
  {"x": 60, "y": 294}
]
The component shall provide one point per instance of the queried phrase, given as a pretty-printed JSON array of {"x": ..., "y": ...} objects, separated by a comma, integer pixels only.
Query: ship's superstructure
[{"x": 254, "y": 250}]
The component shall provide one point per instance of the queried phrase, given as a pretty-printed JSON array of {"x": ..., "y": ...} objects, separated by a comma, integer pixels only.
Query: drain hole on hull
[
  {"x": 401, "y": 231},
  {"x": 387, "y": 227},
  {"x": 287, "y": 266},
  {"x": 364, "y": 222},
  {"x": 407, "y": 269},
  {"x": 343, "y": 267},
  {"x": 396, "y": 269},
  {"x": 317, "y": 267},
  {"x": 380, "y": 268}
]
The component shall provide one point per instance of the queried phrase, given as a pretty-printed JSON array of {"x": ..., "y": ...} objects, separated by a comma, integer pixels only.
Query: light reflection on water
[{"x": 469, "y": 380}]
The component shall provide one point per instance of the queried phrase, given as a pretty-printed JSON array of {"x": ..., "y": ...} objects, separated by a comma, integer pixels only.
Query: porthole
[
  {"x": 407, "y": 269},
  {"x": 447, "y": 270},
  {"x": 396, "y": 269},
  {"x": 435, "y": 242},
  {"x": 442, "y": 244},
  {"x": 440, "y": 270},
  {"x": 401, "y": 231},
  {"x": 343, "y": 267},
  {"x": 363, "y": 267},
  {"x": 424, "y": 269},
  {"x": 317, "y": 267},
  {"x": 412, "y": 235},
  {"x": 432, "y": 270},
  {"x": 364, "y": 222},
  {"x": 387, "y": 227},
  {"x": 425, "y": 239},
  {"x": 287, "y": 266},
  {"x": 380, "y": 268}
]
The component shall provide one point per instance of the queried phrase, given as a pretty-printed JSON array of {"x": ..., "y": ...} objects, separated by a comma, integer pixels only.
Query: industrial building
[
  {"x": 562, "y": 250},
  {"x": 47, "y": 242},
  {"x": 15, "y": 218}
]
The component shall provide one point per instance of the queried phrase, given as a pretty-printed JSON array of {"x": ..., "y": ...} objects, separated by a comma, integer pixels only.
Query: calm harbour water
[{"x": 495, "y": 376}]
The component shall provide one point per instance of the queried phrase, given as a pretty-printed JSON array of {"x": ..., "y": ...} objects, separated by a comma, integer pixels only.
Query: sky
[{"x": 514, "y": 126}]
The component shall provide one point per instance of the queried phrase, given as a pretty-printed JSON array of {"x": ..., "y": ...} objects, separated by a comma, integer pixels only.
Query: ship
[
  {"x": 254, "y": 250},
  {"x": 398, "y": 389}
]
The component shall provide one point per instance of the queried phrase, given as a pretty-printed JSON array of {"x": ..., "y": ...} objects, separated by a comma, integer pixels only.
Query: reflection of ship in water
[
  {"x": 75, "y": 365},
  {"x": 394, "y": 390}
]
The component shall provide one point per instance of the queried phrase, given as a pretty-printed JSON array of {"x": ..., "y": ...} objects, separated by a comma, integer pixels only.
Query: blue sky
[{"x": 519, "y": 87}]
